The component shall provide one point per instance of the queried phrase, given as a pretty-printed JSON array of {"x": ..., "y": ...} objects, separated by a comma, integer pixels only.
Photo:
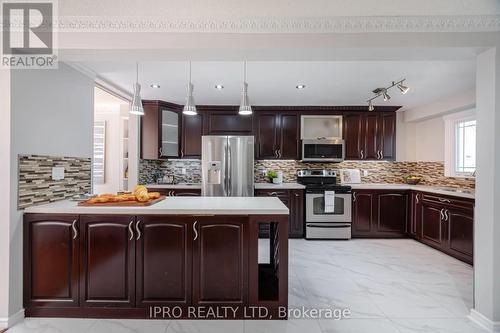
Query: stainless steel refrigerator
[{"x": 227, "y": 166}]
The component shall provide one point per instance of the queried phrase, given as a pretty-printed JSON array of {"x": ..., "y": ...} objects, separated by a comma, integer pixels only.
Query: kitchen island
[{"x": 184, "y": 257}]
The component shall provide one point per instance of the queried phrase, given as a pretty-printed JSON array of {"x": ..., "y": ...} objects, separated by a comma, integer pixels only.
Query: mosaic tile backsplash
[
  {"x": 152, "y": 170},
  {"x": 35, "y": 185},
  {"x": 432, "y": 173}
]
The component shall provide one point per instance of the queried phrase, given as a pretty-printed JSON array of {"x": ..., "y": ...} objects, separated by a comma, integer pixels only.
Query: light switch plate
[
  {"x": 57, "y": 173},
  {"x": 365, "y": 173}
]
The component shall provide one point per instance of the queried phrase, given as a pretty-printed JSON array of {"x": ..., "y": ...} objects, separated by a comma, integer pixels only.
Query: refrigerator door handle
[{"x": 229, "y": 182}]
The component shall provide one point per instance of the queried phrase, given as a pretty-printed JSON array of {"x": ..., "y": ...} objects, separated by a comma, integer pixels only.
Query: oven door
[
  {"x": 325, "y": 150},
  {"x": 315, "y": 208}
]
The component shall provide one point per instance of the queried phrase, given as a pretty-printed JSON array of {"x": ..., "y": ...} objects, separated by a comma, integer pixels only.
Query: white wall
[
  {"x": 51, "y": 114},
  {"x": 421, "y": 141},
  {"x": 5, "y": 181}
]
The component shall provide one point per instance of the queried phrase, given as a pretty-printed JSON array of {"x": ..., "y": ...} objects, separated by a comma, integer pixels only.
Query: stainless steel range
[{"x": 328, "y": 205}]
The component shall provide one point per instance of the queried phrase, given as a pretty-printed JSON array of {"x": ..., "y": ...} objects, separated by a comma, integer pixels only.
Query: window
[{"x": 460, "y": 160}]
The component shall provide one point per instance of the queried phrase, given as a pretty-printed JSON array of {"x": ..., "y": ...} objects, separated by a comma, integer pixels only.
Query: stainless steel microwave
[{"x": 323, "y": 150}]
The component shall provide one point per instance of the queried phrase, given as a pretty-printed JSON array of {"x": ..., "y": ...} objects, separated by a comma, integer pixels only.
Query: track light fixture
[{"x": 385, "y": 95}]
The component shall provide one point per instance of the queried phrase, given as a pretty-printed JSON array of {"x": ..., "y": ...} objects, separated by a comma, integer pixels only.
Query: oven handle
[{"x": 327, "y": 226}]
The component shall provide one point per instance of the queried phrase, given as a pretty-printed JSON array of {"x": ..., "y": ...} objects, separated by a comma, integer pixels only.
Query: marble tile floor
[{"x": 388, "y": 285}]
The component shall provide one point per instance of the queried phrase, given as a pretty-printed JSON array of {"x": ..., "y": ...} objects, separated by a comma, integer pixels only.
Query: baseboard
[
  {"x": 484, "y": 322},
  {"x": 12, "y": 320}
]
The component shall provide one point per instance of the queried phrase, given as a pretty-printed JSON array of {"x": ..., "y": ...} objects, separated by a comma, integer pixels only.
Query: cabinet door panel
[
  {"x": 150, "y": 132},
  {"x": 225, "y": 123},
  {"x": 267, "y": 126},
  {"x": 51, "y": 261},
  {"x": 392, "y": 213},
  {"x": 296, "y": 228},
  {"x": 431, "y": 223},
  {"x": 107, "y": 266},
  {"x": 362, "y": 219},
  {"x": 387, "y": 130},
  {"x": 192, "y": 131},
  {"x": 289, "y": 142},
  {"x": 461, "y": 233},
  {"x": 371, "y": 144},
  {"x": 353, "y": 136},
  {"x": 220, "y": 262},
  {"x": 163, "y": 260}
]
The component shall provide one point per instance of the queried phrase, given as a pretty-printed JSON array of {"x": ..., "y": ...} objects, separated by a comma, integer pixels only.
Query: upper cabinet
[
  {"x": 192, "y": 131},
  {"x": 370, "y": 135},
  {"x": 160, "y": 130},
  {"x": 226, "y": 122},
  {"x": 277, "y": 135}
]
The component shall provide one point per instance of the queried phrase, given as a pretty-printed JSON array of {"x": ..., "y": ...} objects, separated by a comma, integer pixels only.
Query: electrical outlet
[
  {"x": 365, "y": 173},
  {"x": 57, "y": 173},
  {"x": 183, "y": 171}
]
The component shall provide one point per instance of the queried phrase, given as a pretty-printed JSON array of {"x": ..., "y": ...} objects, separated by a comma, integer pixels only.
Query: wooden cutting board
[{"x": 122, "y": 203}]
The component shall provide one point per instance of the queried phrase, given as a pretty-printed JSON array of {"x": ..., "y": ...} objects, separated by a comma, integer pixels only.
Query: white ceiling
[{"x": 273, "y": 83}]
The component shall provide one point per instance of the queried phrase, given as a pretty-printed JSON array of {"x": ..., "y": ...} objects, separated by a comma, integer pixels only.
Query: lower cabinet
[
  {"x": 107, "y": 261},
  {"x": 379, "y": 213},
  {"x": 51, "y": 261},
  {"x": 163, "y": 261},
  {"x": 294, "y": 200},
  {"x": 113, "y": 261},
  {"x": 220, "y": 243},
  {"x": 447, "y": 224}
]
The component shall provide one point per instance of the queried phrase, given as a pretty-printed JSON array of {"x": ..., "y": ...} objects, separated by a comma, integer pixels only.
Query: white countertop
[
  {"x": 283, "y": 186},
  {"x": 196, "y": 186},
  {"x": 177, "y": 206},
  {"x": 257, "y": 186},
  {"x": 423, "y": 188}
]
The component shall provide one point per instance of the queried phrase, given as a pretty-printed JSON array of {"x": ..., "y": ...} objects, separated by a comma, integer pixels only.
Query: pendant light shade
[
  {"x": 190, "y": 107},
  {"x": 245, "y": 107},
  {"x": 136, "y": 106}
]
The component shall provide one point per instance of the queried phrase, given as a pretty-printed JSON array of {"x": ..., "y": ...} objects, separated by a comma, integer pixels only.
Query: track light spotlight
[
  {"x": 370, "y": 106},
  {"x": 386, "y": 96},
  {"x": 404, "y": 89}
]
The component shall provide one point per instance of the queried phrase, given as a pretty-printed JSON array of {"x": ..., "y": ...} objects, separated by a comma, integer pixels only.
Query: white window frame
[{"x": 450, "y": 144}]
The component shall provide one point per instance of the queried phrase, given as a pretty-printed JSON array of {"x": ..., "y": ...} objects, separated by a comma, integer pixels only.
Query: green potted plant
[{"x": 271, "y": 174}]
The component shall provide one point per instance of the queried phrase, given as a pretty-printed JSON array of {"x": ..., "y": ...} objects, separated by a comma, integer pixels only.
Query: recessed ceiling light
[
  {"x": 219, "y": 86},
  {"x": 156, "y": 86},
  {"x": 300, "y": 86}
]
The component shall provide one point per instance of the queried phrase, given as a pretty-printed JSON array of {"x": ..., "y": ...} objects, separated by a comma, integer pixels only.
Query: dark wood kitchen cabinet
[
  {"x": 294, "y": 200},
  {"x": 370, "y": 135},
  {"x": 277, "y": 135},
  {"x": 107, "y": 262},
  {"x": 220, "y": 241},
  {"x": 415, "y": 209},
  {"x": 379, "y": 213},
  {"x": 226, "y": 121},
  {"x": 447, "y": 224},
  {"x": 163, "y": 260},
  {"x": 51, "y": 266},
  {"x": 192, "y": 131},
  {"x": 160, "y": 130}
]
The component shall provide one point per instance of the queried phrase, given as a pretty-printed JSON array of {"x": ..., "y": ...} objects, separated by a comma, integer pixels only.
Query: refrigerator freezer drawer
[{"x": 328, "y": 230}]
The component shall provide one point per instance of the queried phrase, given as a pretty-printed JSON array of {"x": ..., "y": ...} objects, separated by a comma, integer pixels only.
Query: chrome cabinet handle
[
  {"x": 276, "y": 153},
  {"x": 273, "y": 194},
  {"x": 441, "y": 213},
  {"x": 354, "y": 197},
  {"x": 381, "y": 155},
  {"x": 297, "y": 195},
  {"x": 75, "y": 231},
  {"x": 378, "y": 154},
  {"x": 161, "y": 151},
  {"x": 446, "y": 215},
  {"x": 417, "y": 197},
  {"x": 195, "y": 231},
  {"x": 362, "y": 154},
  {"x": 182, "y": 153},
  {"x": 131, "y": 232},
  {"x": 279, "y": 152},
  {"x": 138, "y": 230},
  {"x": 444, "y": 200}
]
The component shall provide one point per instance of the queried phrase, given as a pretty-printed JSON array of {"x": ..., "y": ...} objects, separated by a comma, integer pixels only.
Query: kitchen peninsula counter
[{"x": 180, "y": 254}]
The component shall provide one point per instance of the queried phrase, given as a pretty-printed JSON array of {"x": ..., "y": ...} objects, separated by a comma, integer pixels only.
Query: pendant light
[
  {"x": 136, "y": 107},
  {"x": 190, "y": 107},
  {"x": 245, "y": 107}
]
